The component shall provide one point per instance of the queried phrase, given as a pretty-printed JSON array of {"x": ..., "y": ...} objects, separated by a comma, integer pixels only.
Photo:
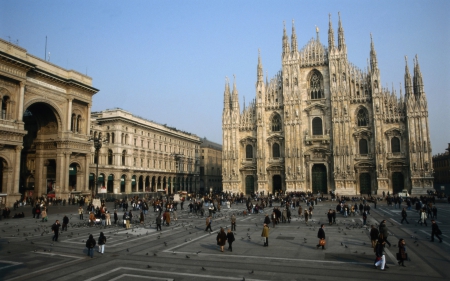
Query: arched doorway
[
  {"x": 91, "y": 181},
  {"x": 73, "y": 176},
  {"x": 147, "y": 183},
  {"x": 133, "y": 184},
  {"x": 398, "y": 182},
  {"x": 249, "y": 185},
  {"x": 365, "y": 186},
  {"x": 158, "y": 187},
  {"x": 110, "y": 184},
  {"x": 319, "y": 178},
  {"x": 276, "y": 184},
  {"x": 153, "y": 184},
  {"x": 141, "y": 184},
  {"x": 164, "y": 184},
  {"x": 122, "y": 183}
]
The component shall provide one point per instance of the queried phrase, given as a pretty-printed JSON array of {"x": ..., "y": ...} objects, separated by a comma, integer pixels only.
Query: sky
[{"x": 166, "y": 61}]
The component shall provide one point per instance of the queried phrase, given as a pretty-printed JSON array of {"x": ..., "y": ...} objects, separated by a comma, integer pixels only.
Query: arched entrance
[
  {"x": 73, "y": 176},
  {"x": 122, "y": 183},
  {"x": 153, "y": 184},
  {"x": 110, "y": 184},
  {"x": 91, "y": 181},
  {"x": 365, "y": 186},
  {"x": 133, "y": 184},
  {"x": 276, "y": 184},
  {"x": 398, "y": 182},
  {"x": 141, "y": 184},
  {"x": 319, "y": 178},
  {"x": 249, "y": 185},
  {"x": 147, "y": 183},
  {"x": 42, "y": 123}
]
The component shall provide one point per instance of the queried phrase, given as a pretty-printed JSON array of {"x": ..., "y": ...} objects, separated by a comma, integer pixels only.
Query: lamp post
[{"x": 98, "y": 141}]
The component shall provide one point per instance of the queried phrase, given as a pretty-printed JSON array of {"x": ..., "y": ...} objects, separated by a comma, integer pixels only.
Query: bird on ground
[
  {"x": 148, "y": 266},
  {"x": 203, "y": 268},
  {"x": 188, "y": 257},
  {"x": 251, "y": 272}
]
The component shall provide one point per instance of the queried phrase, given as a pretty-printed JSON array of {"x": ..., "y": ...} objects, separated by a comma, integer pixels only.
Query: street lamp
[{"x": 98, "y": 141}]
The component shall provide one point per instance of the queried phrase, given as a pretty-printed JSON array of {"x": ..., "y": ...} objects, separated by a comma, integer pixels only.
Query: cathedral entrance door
[
  {"x": 277, "y": 187},
  {"x": 249, "y": 185},
  {"x": 398, "y": 182},
  {"x": 319, "y": 178},
  {"x": 364, "y": 184}
]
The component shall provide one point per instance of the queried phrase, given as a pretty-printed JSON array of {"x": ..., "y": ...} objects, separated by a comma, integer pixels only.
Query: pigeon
[
  {"x": 128, "y": 250},
  {"x": 188, "y": 257},
  {"x": 146, "y": 254},
  {"x": 148, "y": 266},
  {"x": 203, "y": 268},
  {"x": 199, "y": 252},
  {"x": 346, "y": 246},
  {"x": 251, "y": 272},
  {"x": 154, "y": 254}
]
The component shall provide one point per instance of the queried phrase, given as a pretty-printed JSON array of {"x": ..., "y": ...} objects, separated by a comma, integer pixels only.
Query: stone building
[
  {"x": 441, "y": 164},
  {"x": 139, "y": 155},
  {"x": 322, "y": 124},
  {"x": 210, "y": 166},
  {"x": 44, "y": 125}
]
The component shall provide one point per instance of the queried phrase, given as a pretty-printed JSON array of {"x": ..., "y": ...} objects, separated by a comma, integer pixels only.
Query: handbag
[{"x": 322, "y": 242}]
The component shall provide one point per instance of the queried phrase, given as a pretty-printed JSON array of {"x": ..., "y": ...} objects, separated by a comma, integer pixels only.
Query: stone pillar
[
  {"x": 21, "y": 97},
  {"x": 16, "y": 182},
  {"x": 86, "y": 173},
  {"x": 128, "y": 185},
  {"x": 116, "y": 188},
  {"x": 88, "y": 123},
  {"x": 69, "y": 114}
]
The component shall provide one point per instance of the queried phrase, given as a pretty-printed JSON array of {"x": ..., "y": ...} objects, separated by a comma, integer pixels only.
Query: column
[
  {"x": 128, "y": 185},
  {"x": 86, "y": 173},
  {"x": 88, "y": 122},
  {"x": 15, "y": 189},
  {"x": 21, "y": 97},
  {"x": 65, "y": 187},
  {"x": 69, "y": 113},
  {"x": 117, "y": 182}
]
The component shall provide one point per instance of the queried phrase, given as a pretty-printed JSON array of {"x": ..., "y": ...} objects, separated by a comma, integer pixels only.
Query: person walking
[
  {"x": 230, "y": 239},
  {"x": 274, "y": 218},
  {"x": 90, "y": 244},
  {"x": 108, "y": 218},
  {"x": 55, "y": 229},
  {"x": 65, "y": 223},
  {"x": 141, "y": 217},
  {"x": 321, "y": 236},
  {"x": 384, "y": 231},
  {"x": 364, "y": 217},
  {"x": 306, "y": 216},
  {"x": 374, "y": 234},
  {"x": 91, "y": 218},
  {"x": 116, "y": 217},
  {"x": 44, "y": 215},
  {"x": 208, "y": 223},
  {"x": 158, "y": 222},
  {"x": 435, "y": 231},
  {"x": 401, "y": 255},
  {"x": 167, "y": 218},
  {"x": 233, "y": 222},
  {"x": 265, "y": 235},
  {"x": 423, "y": 218},
  {"x": 221, "y": 238},
  {"x": 380, "y": 257},
  {"x": 330, "y": 217},
  {"x": 80, "y": 212},
  {"x": 101, "y": 243},
  {"x": 404, "y": 215}
]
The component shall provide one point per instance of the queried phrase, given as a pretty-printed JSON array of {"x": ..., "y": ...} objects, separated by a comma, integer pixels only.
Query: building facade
[
  {"x": 44, "y": 125},
  {"x": 441, "y": 164},
  {"x": 210, "y": 166},
  {"x": 138, "y": 155},
  {"x": 322, "y": 124}
]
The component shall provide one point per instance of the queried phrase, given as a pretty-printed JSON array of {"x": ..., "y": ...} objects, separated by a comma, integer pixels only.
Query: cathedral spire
[
  {"x": 373, "y": 55},
  {"x": 235, "y": 96},
  {"x": 418, "y": 83},
  {"x": 260, "y": 78},
  {"x": 341, "y": 39},
  {"x": 285, "y": 40},
  {"x": 294, "y": 47},
  {"x": 330, "y": 34},
  {"x": 408, "y": 85},
  {"x": 226, "y": 95}
]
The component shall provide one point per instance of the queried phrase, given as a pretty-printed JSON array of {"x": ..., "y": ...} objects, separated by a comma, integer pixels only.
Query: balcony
[{"x": 324, "y": 139}]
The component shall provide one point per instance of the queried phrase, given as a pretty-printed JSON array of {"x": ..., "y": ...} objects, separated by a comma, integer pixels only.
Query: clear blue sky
[{"x": 167, "y": 60}]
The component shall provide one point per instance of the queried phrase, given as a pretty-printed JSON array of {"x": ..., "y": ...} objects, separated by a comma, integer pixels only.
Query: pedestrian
[
  {"x": 208, "y": 223},
  {"x": 44, "y": 215},
  {"x": 127, "y": 219},
  {"x": 108, "y": 218},
  {"x": 423, "y": 218},
  {"x": 116, "y": 217},
  {"x": 300, "y": 213},
  {"x": 288, "y": 213},
  {"x": 380, "y": 257},
  {"x": 55, "y": 229},
  {"x": 330, "y": 217},
  {"x": 265, "y": 235},
  {"x": 364, "y": 217},
  {"x": 101, "y": 243},
  {"x": 401, "y": 255},
  {"x": 90, "y": 244},
  {"x": 91, "y": 218},
  {"x": 174, "y": 213},
  {"x": 80, "y": 212},
  {"x": 167, "y": 218},
  {"x": 230, "y": 239},
  {"x": 65, "y": 223},
  {"x": 321, "y": 236},
  {"x": 306, "y": 216},
  {"x": 404, "y": 215},
  {"x": 221, "y": 238},
  {"x": 141, "y": 217},
  {"x": 158, "y": 222},
  {"x": 233, "y": 222},
  {"x": 435, "y": 212},
  {"x": 274, "y": 218},
  {"x": 374, "y": 234},
  {"x": 435, "y": 231},
  {"x": 384, "y": 232}
]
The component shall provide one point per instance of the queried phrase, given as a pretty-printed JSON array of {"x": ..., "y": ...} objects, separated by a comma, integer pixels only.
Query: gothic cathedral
[{"x": 322, "y": 124}]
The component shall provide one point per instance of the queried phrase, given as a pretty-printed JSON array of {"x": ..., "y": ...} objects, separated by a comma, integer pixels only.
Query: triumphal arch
[{"x": 44, "y": 126}]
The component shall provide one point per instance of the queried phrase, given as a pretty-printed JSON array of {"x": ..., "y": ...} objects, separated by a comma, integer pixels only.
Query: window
[
  {"x": 134, "y": 142},
  {"x": 317, "y": 127},
  {"x": 110, "y": 157},
  {"x": 316, "y": 86},
  {"x": 276, "y": 123},
  {"x": 276, "y": 150},
  {"x": 112, "y": 137},
  {"x": 362, "y": 117},
  {"x": 4, "y": 110},
  {"x": 134, "y": 161},
  {"x": 124, "y": 153},
  {"x": 395, "y": 145},
  {"x": 363, "y": 149},
  {"x": 249, "y": 151}
]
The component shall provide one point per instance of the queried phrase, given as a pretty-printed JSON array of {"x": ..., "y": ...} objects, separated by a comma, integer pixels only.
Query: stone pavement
[{"x": 184, "y": 251}]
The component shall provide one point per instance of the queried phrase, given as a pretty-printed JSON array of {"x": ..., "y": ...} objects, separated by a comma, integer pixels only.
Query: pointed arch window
[
  {"x": 317, "y": 129},
  {"x": 395, "y": 145},
  {"x": 276, "y": 123},
  {"x": 276, "y": 150},
  {"x": 110, "y": 157},
  {"x": 316, "y": 86},
  {"x": 363, "y": 148},
  {"x": 362, "y": 118},
  {"x": 249, "y": 151}
]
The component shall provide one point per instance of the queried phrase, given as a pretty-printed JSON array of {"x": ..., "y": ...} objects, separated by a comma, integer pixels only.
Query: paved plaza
[{"x": 184, "y": 251}]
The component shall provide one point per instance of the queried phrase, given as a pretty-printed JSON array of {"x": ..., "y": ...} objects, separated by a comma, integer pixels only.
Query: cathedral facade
[{"x": 322, "y": 124}]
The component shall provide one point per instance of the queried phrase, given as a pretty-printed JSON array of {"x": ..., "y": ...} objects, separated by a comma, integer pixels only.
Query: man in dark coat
[
  {"x": 55, "y": 229},
  {"x": 230, "y": 239},
  {"x": 404, "y": 215},
  {"x": 374, "y": 234},
  {"x": 435, "y": 231},
  {"x": 65, "y": 223},
  {"x": 384, "y": 232},
  {"x": 90, "y": 244},
  {"x": 321, "y": 236}
]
